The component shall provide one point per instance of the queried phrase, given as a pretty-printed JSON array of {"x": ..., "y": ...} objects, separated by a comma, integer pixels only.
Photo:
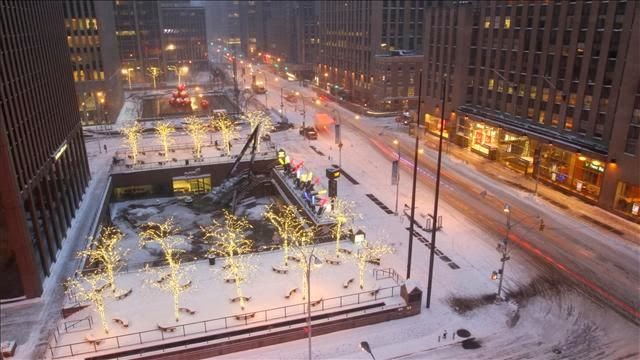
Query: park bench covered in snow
[
  {"x": 279, "y": 270},
  {"x": 347, "y": 283},
  {"x": 238, "y": 298},
  {"x": 121, "y": 321},
  {"x": 293, "y": 258},
  {"x": 291, "y": 292},
  {"x": 167, "y": 328},
  {"x": 245, "y": 316},
  {"x": 332, "y": 260},
  {"x": 123, "y": 294},
  {"x": 317, "y": 302},
  {"x": 375, "y": 291},
  {"x": 345, "y": 251},
  {"x": 187, "y": 310},
  {"x": 92, "y": 339}
]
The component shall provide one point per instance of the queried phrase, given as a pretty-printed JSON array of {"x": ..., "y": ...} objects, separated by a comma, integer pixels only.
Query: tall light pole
[
  {"x": 281, "y": 101},
  {"x": 415, "y": 176},
  {"x": 397, "y": 144},
  {"x": 505, "y": 241},
  {"x": 127, "y": 72},
  {"x": 437, "y": 195},
  {"x": 304, "y": 110},
  {"x": 311, "y": 261}
]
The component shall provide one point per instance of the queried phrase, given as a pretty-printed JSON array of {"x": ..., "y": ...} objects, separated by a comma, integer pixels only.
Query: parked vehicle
[{"x": 309, "y": 132}]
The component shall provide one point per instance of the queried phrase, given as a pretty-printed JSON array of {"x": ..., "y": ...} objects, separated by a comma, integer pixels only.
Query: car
[{"x": 309, "y": 132}]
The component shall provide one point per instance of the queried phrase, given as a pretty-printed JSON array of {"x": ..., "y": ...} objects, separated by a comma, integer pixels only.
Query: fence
[
  {"x": 223, "y": 323},
  {"x": 389, "y": 273}
]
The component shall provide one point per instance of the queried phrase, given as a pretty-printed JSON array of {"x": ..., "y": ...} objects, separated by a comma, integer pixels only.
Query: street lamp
[
  {"x": 415, "y": 177},
  {"x": 397, "y": 174},
  {"x": 364, "y": 346},
  {"x": 313, "y": 260}
]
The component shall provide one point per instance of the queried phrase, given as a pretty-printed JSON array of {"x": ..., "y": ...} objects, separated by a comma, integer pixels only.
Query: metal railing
[
  {"x": 388, "y": 273},
  {"x": 222, "y": 323}
]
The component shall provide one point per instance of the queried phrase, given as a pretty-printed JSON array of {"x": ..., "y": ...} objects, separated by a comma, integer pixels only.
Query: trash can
[{"x": 212, "y": 260}]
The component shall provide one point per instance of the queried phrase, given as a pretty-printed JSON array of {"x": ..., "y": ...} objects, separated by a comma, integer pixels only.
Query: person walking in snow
[{"x": 444, "y": 335}]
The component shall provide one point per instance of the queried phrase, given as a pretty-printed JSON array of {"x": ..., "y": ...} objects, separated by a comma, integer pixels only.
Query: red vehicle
[{"x": 323, "y": 123}]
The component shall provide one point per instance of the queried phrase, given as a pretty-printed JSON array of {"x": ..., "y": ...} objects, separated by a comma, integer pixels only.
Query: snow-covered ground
[{"x": 547, "y": 324}]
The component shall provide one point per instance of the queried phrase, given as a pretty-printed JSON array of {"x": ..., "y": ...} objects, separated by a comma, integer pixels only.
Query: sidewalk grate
[
  {"x": 379, "y": 203},
  {"x": 347, "y": 176},
  {"x": 437, "y": 251},
  {"x": 316, "y": 150}
]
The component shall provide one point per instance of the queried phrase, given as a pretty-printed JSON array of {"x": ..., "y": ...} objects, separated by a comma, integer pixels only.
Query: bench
[
  {"x": 162, "y": 279},
  {"x": 332, "y": 261},
  {"x": 291, "y": 292},
  {"x": 187, "y": 310},
  {"x": 375, "y": 291},
  {"x": 231, "y": 280},
  {"x": 347, "y": 283},
  {"x": 345, "y": 251},
  {"x": 92, "y": 339},
  {"x": 122, "y": 295},
  {"x": 279, "y": 270},
  {"x": 187, "y": 285},
  {"x": 293, "y": 258},
  {"x": 317, "y": 302},
  {"x": 374, "y": 261},
  {"x": 121, "y": 321},
  {"x": 167, "y": 328},
  {"x": 101, "y": 288},
  {"x": 245, "y": 316},
  {"x": 238, "y": 298}
]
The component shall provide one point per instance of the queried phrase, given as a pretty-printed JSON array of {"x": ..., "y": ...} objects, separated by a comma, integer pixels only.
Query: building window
[
  {"x": 507, "y": 22},
  {"x": 487, "y": 22},
  {"x": 633, "y": 134}
]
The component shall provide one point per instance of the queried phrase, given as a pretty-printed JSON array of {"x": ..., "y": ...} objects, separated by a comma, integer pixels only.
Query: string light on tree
[
  {"x": 90, "y": 288},
  {"x": 227, "y": 129},
  {"x": 164, "y": 129},
  {"x": 256, "y": 118},
  {"x": 132, "y": 133},
  {"x": 286, "y": 220},
  {"x": 367, "y": 252},
  {"x": 154, "y": 72},
  {"x": 173, "y": 278},
  {"x": 228, "y": 240},
  {"x": 105, "y": 253},
  {"x": 344, "y": 215},
  {"x": 197, "y": 129}
]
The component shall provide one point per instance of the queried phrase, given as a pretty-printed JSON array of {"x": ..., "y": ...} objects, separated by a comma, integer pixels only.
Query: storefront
[
  {"x": 627, "y": 199},
  {"x": 573, "y": 171},
  {"x": 191, "y": 184},
  {"x": 432, "y": 125}
]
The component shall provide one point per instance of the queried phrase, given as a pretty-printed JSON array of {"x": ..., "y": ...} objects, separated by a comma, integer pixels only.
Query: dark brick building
[{"x": 42, "y": 155}]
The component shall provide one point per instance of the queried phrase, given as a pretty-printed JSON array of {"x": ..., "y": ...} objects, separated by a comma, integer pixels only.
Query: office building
[
  {"x": 184, "y": 36},
  {"x": 352, "y": 33},
  {"x": 90, "y": 29},
  {"x": 43, "y": 160},
  {"x": 550, "y": 89}
]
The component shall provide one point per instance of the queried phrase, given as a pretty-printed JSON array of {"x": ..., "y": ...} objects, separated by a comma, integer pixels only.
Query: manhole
[
  {"x": 470, "y": 344},
  {"x": 463, "y": 333}
]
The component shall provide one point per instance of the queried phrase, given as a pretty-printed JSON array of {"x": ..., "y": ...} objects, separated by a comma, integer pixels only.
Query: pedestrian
[
  {"x": 453, "y": 336},
  {"x": 438, "y": 338},
  {"x": 105, "y": 147},
  {"x": 444, "y": 335}
]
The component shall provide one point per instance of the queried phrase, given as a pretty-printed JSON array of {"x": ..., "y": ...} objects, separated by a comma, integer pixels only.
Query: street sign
[{"x": 395, "y": 176}]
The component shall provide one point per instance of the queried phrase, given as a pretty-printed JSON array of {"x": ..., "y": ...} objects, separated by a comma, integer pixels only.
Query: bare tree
[
  {"x": 197, "y": 129},
  {"x": 164, "y": 129},
  {"x": 367, "y": 252},
  {"x": 132, "y": 133},
  {"x": 90, "y": 287},
  {"x": 344, "y": 215},
  {"x": 261, "y": 118},
  {"x": 227, "y": 129},
  {"x": 285, "y": 219}
]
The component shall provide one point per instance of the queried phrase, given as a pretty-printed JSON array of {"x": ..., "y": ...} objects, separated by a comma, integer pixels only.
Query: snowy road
[{"x": 603, "y": 264}]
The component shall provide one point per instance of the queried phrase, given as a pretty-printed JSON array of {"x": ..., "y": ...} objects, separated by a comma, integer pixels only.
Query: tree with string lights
[
  {"x": 106, "y": 253},
  {"x": 90, "y": 287},
  {"x": 344, "y": 215},
  {"x": 228, "y": 239},
  {"x": 164, "y": 129},
  {"x": 285, "y": 219},
  {"x": 174, "y": 277},
  {"x": 132, "y": 133},
  {"x": 154, "y": 72},
  {"x": 197, "y": 129},
  {"x": 227, "y": 129},
  {"x": 261, "y": 118},
  {"x": 368, "y": 252}
]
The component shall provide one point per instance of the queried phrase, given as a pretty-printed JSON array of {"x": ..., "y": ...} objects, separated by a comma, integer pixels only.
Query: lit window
[
  {"x": 490, "y": 86},
  {"x": 101, "y": 75},
  {"x": 411, "y": 91},
  {"x": 487, "y": 22},
  {"x": 507, "y": 22},
  {"x": 541, "y": 117},
  {"x": 533, "y": 92}
]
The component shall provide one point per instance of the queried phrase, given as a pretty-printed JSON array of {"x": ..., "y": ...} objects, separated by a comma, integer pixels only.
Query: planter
[{"x": 212, "y": 260}]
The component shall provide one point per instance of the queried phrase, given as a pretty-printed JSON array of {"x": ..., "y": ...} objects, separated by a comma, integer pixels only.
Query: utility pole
[
  {"x": 505, "y": 254},
  {"x": 415, "y": 175},
  {"x": 435, "y": 201},
  {"x": 236, "y": 92}
]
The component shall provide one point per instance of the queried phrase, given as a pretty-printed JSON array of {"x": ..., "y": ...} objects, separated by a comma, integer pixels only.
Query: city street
[{"x": 599, "y": 262}]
